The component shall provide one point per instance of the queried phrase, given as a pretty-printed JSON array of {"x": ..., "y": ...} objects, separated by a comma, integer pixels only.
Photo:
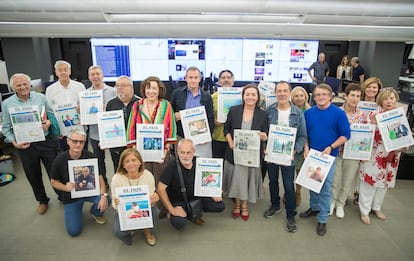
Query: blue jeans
[
  {"x": 322, "y": 201},
  {"x": 73, "y": 213},
  {"x": 116, "y": 228},
  {"x": 288, "y": 175}
]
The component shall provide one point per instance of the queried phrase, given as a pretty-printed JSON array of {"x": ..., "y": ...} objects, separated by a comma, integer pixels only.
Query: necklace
[
  {"x": 151, "y": 110},
  {"x": 134, "y": 182}
]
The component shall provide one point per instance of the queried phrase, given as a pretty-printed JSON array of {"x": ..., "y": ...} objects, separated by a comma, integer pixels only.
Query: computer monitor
[{"x": 37, "y": 85}]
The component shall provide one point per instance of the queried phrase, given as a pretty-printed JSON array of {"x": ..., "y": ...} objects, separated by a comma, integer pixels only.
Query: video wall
[{"x": 249, "y": 59}]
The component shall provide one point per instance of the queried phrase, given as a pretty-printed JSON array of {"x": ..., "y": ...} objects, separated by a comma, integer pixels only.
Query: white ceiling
[{"x": 380, "y": 20}]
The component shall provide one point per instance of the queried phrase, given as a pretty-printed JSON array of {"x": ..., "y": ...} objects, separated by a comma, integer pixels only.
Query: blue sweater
[{"x": 324, "y": 127}]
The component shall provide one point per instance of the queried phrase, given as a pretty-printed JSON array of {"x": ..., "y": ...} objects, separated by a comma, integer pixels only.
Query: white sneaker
[
  {"x": 340, "y": 212},
  {"x": 332, "y": 208}
]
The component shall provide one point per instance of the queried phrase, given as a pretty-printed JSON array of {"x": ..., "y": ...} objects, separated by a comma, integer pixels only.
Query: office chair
[
  {"x": 334, "y": 83},
  {"x": 4, "y": 88}
]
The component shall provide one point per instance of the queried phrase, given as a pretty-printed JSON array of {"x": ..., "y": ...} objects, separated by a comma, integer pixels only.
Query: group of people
[{"x": 324, "y": 127}]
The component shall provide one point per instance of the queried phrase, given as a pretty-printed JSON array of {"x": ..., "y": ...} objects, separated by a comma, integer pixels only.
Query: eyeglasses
[
  {"x": 77, "y": 141},
  {"x": 321, "y": 95}
]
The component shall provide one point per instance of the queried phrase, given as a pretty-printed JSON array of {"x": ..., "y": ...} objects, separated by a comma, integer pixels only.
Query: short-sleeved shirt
[
  {"x": 59, "y": 94},
  {"x": 171, "y": 179},
  {"x": 356, "y": 72},
  {"x": 319, "y": 70},
  {"x": 60, "y": 171}
]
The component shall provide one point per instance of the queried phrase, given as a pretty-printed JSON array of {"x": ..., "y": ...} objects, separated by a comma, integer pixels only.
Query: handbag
[{"x": 195, "y": 206}]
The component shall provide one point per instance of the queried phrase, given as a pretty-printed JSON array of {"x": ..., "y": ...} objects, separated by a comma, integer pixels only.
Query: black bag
[{"x": 194, "y": 207}]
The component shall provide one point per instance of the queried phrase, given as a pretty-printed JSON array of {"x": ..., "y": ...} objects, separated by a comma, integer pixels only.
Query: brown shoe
[
  {"x": 42, "y": 208},
  {"x": 200, "y": 221},
  {"x": 149, "y": 238}
]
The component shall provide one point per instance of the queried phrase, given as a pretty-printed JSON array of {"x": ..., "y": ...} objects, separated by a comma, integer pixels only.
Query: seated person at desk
[{"x": 169, "y": 187}]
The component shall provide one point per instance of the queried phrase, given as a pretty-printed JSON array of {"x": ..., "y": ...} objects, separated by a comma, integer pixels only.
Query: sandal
[
  {"x": 245, "y": 216},
  {"x": 380, "y": 215},
  {"x": 365, "y": 219},
  {"x": 236, "y": 212}
]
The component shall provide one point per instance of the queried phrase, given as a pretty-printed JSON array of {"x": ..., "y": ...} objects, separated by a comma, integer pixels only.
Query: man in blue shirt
[
  {"x": 192, "y": 96},
  {"x": 31, "y": 152},
  {"x": 328, "y": 128}
]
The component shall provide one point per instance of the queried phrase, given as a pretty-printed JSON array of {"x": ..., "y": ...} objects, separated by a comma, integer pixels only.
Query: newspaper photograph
[
  {"x": 67, "y": 117},
  {"x": 395, "y": 130},
  {"x": 280, "y": 145},
  {"x": 359, "y": 145},
  {"x": 150, "y": 141},
  {"x": 90, "y": 103},
  {"x": 27, "y": 124},
  {"x": 227, "y": 97},
  {"x": 134, "y": 208},
  {"x": 195, "y": 125},
  {"x": 111, "y": 129},
  {"x": 247, "y": 148},
  {"x": 208, "y": 177},
  {"x": 367, "y": 108},
  {"x": 85, "y": 174},
  {"x": 314, "y": 170}
]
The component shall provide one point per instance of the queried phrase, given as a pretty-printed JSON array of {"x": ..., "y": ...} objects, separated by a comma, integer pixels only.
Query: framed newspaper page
[
  {"x": 111, "y": 129},
  {"x": 27, "y": 124},
  {"x": 67, "y": 117},
  {"x": 150, "y": 141},
  {"x": 314, "y": 170},
  {"x": 134, "y": 208},
  {"x": 227, "y": 97},
  {"x": 90, "y": 103},
  {"x": 247, "y": 146},
  {"x": 395, "y": 130},
  {"x": 359, "y": 145},
  {"x": 208, "y": 177},
  {"x": 85, "y": 174},
  {"x": 280, "y": 145},
  {"x": 195, "y": 125}
]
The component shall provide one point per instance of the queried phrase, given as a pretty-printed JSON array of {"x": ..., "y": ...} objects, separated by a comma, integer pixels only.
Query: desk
[{"x": 406, "y": 82}]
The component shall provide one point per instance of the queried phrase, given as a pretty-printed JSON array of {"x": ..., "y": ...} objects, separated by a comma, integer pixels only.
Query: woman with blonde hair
[
  {"x": 379, "y": 173},
  {"x": 131, "y": 172},
  {"x": 300, "y": 98}
]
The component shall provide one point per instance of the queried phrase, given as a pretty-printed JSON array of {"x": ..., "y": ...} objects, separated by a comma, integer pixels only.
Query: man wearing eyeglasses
[
  {"x": 60, "y": 181},
  {"x": 328, "y": 128},
  {"x": 124, "y": 101}
]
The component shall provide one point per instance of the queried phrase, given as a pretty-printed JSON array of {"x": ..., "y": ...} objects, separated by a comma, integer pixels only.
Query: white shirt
[
  {"x": 283, "y": 117},
  {"x": 58, "y": 94}
]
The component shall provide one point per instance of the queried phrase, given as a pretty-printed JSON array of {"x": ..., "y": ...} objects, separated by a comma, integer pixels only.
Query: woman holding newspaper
[
  {"x": 131, "y": 172},
  {"x": 154, "y": 109},
  {"x": 380, "y": 171},
  {"x": 244, "y": 183}
]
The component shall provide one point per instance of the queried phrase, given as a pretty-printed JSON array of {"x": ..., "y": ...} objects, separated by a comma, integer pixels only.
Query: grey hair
[
  {"x": 77, "y": 131},
  {"x": 59, "y": 62},
  {"x": 18, "y": 75},
  {"x": 185, "y": 140},
  {"x": 125, "y": 77},
  {"x": 93, "y": 67}
]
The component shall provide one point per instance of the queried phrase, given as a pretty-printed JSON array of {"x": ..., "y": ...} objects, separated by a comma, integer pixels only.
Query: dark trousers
[
  {"x": 209, "y": 205},
  {"x": 100, "y": 154},
  {"x": 30, "y": 157},
  {"x": 219, "y": 147},
  {"x": 288, "y": 175},
  {"x": 115, "y": 154}
]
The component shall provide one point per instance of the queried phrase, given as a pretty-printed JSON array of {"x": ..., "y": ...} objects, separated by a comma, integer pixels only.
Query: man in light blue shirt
[{"x": 31, "y": 152}]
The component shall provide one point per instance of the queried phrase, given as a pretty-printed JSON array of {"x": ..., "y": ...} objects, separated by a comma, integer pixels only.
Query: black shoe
[
  {"x": 271, "y": 211},
  {"x": 321, "y": 229},
  {"x": 291, "y": 225},
  {"x": 308, "y": 213}
]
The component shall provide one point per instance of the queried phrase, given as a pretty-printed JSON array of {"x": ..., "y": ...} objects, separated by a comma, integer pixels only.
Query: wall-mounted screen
[{"x": 249, "y": 59}]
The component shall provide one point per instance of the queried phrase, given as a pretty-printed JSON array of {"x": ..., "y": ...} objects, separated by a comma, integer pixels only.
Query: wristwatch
[
  {"x": 104, "y": 194},
  {"x": 332, "y": 148}
]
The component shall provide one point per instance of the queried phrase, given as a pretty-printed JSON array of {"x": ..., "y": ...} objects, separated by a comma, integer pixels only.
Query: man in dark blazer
[{"x": 192, "y": 96}]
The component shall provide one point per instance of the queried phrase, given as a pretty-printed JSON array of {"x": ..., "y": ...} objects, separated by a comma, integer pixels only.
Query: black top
[
  {"x": 117, "y": 104},
  {"x": 170, "y": 178},
  {"x": 234, "y": 121},
  {"x": 356, "y": 72},
  {"x": 60, "y": 171}
]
